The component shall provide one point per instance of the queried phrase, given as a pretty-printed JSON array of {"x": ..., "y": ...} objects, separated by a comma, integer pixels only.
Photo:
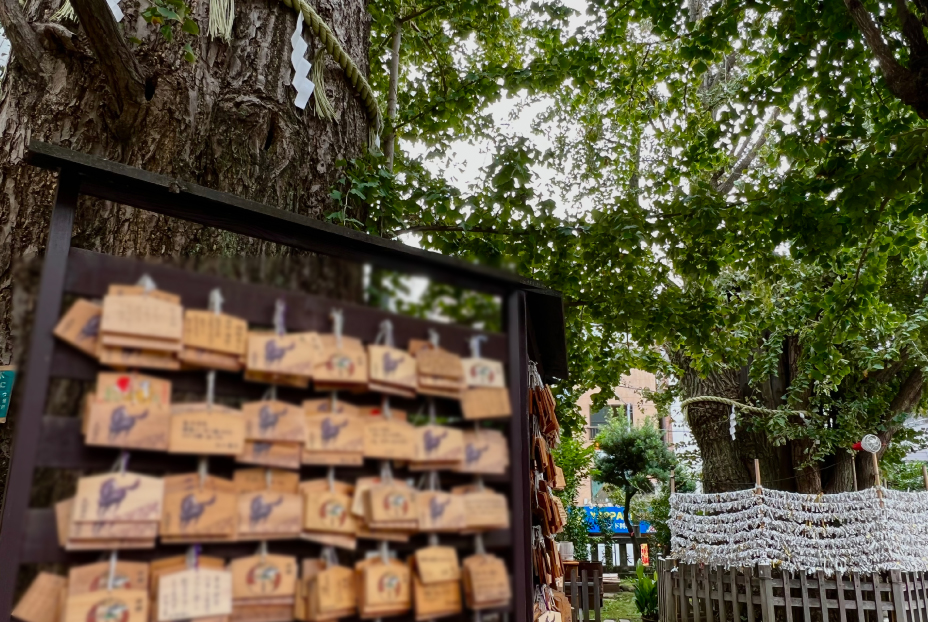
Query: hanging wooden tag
[
  {"x": 132, "y": 388},
  {"x": 96, "y": 577},
  {"x": 392, "y": 367},
  {"x": 436, "y": 564},
  {"x": 263, "y": 577},
  {"x": 486, "y": 510},
  {"x": 144, "y": 316},
  {"x": 328, "y": 512},
  {"x": 386, "y": 586},
  {"x": 486, "y": 403},
  {"x": 335, "y": 590},
  {"x": 215, "y": 332},
  {"x": 131, "y": 358},
  {"x": 486, "y": 582},
  {"x": 391, "y": 506},
  {"x": 195, "y": 507},
  {"x": 127, "y": 497},
  {"x": 480, "y": 372},
  {"x": 324, "y": 407},
  {"x": 255, "y": 480},
  {"x": 271, "y": 454},
  {"x": 559, "y": 482},
  {"x": 300, "y": 382},
  {"x": 341, "y": 367},
  {"x": 169, "y": 565},
  {"x": 361, "y": 486},
  {"x": 389, "y": 439},
  {"x": 118, "y": 605},
  {"x": 335, "y": 433},
  {"x": 436, "y": 600},
  {"x": 117, "y": 289},
  {"x": 195, "y": 358},
  {"x": 129, "y": 425},
  {"x": 264, "y": 515},
  {"x": 485, "y": 452},
  {"x": 42, "y": 601},
  {"x": 194, "y": 593},
  {"x": 270, "y": 420},
  {"x": 80, "y": 326},
  {"x": 204, "y": 430},
  {"x": 439, "y": 362},
  {"x": 439, "y": 444},
  {"x": 292, "y": 354},
  {"x": 441, "y": 512}
]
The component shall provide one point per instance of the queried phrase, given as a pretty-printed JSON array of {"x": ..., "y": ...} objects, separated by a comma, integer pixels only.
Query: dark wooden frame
[{"x": 532, "y": 316}]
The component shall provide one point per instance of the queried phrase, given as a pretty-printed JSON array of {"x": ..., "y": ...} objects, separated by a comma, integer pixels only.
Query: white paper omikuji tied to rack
[
  {"x": 803, "y": 533},
  {"x": 301, "y": 66}
]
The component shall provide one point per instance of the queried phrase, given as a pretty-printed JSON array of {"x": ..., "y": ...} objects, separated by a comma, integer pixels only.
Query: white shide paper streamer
[
  {"x": 301, "y": 66},
  {"x": 846, "y": 532}
]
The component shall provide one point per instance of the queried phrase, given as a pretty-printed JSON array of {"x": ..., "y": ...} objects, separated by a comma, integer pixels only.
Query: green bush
[{"x": 645, "y": 592}]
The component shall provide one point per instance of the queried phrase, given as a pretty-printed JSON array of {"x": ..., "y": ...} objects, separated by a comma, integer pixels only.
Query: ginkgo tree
[{"x": 729, "y": 193}]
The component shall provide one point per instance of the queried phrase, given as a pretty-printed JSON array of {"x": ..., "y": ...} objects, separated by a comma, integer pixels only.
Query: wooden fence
[
  {"x": 584, "y": 589},
  {"x": 622, "y": 560},
  {"x": 704, "y": 594}
]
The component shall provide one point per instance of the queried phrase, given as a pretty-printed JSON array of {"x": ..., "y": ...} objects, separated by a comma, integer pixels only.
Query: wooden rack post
[{"x": 533, "y": 320}]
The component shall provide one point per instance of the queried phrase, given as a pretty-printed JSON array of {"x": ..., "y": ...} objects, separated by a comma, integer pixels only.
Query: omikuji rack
[{"x": 533, "y": 318}]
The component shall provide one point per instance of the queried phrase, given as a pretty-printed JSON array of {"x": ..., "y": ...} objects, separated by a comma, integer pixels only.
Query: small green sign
[{"x": 7, "y": 377}]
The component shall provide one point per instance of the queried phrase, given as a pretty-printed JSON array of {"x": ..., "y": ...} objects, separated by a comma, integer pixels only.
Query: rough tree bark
[{"x": 226, "y": 121}]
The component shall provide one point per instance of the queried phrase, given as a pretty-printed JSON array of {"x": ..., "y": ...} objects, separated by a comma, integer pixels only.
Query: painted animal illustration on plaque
[
  {"x": 122, "y": 423},
  {"x": 191, "y": 510},
  {"x": 396, "y": 504},
  {"x": 330, "y": 431},
  {"x": 342, "y": 365},
  {"x": 437, "y": 507},
  {"x": 108, "y": 610},
  {"x": 267, "y": 419},
  {"x": 112, "y": 496},
  {"x": 472, "y": 454},
  {"x": 263, "y": 578},
  {"x": 261, "y": 511},
  {"x": 433, "y": 441},
  {"x": 389, "y": 584},
  {"x": 333, "y": 513},
  {"x": 91, "y": 328},
  {"x": 274, "y": 353},
  {"x": 391, "y": 364}
]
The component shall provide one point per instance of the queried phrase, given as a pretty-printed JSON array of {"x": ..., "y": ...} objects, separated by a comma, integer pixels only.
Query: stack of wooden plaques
[
  {"x": 140, "y": 328},
  {"x": 263, "y": 588}
]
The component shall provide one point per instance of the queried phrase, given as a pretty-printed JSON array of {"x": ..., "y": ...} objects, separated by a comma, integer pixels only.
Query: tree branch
[
  {"x": 416, "y": 14},
  {"x": 390, "y": 147},
  {"x": 24, "y": 41},
  {"x": 743, "y": 163},
  {"x": 422, "y": 228},
  {"x": 912, "y": 29},
  {"x": 122, "y": 71}
]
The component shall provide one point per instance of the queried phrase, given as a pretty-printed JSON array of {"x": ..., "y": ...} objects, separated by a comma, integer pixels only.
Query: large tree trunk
[{"x": 226, "y": 121}]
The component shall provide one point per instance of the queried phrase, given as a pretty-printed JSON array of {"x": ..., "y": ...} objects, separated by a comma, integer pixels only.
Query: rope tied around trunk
[
  {"x": 357, "y": 80},
  {"x": 735, "y": 404}
]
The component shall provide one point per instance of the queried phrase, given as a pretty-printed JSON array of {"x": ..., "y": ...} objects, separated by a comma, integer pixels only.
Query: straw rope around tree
[
  {"x": 745, "y": 407},
  {"x": 357, "y": 80}
]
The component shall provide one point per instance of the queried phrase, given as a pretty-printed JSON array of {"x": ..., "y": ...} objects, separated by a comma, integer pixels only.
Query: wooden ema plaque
[
  {"x": 436, "y": 582},
  {"x": 327, "y": 592},
  {"x": 486, "y": 403},
  {"x": 391, "y": 371},
  {"x": 271, "y": 454},
  {"x": 254, "y": 480},
  {"x": 129, "y": 425},
  {"x": 288, "y": 355},
  {"x": 80, "y": 326},
  {"x": 116, "y": 604},
  {"x": 481, "y": 372},
  {"x": 486, "y": 452},
  {"x": 486, "y": 510},
  {"x": 145, "y": 317},
  {"x": 441, "y": 512},
  {"x": 196, "y": 507},
  {"x": 486, "y": 582},
  {"x": 115, "y": 497},
  {"x": 96, "y": 577},
  {"x": 215, "y": 332},
  {"x": 44, "y": 599},
  {"x": 266, "y": 515},
  {"x": 274, "y": 421},
  {"x": 132, "y": 388},
  {"x": 386, "y": 588},
  {"x": 340, "y": 368},
  {"x": 438, "y": 446},
  {"x": 268, "y": 579},
  {"x": 328, "y": 512},
  {"x": 389, "y": 439},
  {"x": 391, "y": 506},
  {"x": 201, "y": 429},
  {"x": 194, "y": 593}
]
